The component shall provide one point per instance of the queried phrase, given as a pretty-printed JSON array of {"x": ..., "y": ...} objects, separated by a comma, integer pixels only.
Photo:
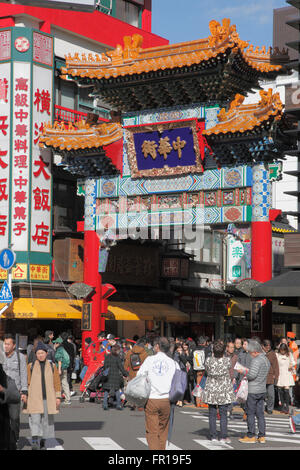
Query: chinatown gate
[{"x": 174, "y": 107}]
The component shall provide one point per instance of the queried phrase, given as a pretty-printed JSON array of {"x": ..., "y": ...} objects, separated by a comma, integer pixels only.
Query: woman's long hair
[{"x": 283, "y": 347}]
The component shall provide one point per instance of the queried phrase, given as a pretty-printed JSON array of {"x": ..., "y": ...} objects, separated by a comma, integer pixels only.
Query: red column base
[{"x": 261, "y": 251}]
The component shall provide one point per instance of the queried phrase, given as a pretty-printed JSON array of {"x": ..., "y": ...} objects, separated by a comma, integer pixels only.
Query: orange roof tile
[
  {"x": 132, "y": 59},
  {"x": 79, "y": 135},
  {"x": 242, "y": 118}
]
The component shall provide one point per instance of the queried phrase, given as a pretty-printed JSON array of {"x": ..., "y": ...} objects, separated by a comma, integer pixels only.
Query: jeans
[
  {"x": 255, "y": 408},
  {"x": 296, "y": 419},
  {"x": 270, "y": 397},
  {"x": 213, "y": 421},
  {"x": 14, "y": 416},
  {"x": 106, "y": 395}
]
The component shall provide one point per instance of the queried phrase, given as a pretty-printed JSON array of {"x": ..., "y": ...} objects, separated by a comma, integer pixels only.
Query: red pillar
[
  {"x": 93, "y": 279},
  {"x": 262, "y": 268}
]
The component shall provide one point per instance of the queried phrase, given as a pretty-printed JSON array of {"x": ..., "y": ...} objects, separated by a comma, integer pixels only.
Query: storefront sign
[
  {"x": 175, "y": 268},
  {"x": 257, "y": 316},
  {"x": 39, "y": 272},
  {"x": 19, "y": 273},
  {"x": 164, "y": 149},
  {"x": 86, "y": 321},
  {"x": 237, "y": 260}
]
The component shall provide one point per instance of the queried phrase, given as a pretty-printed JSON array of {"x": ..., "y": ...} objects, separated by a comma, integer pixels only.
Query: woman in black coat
[
  {"x": 114, "y": 378},
  {"x": 8, "y": 394}
]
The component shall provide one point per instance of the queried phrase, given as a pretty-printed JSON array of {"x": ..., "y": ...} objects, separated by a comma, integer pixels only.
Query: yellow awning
[
  {"x": 145, "y": 311},
  {"x": 235, "y": 309},
  {"x": 50, "y": 309}
]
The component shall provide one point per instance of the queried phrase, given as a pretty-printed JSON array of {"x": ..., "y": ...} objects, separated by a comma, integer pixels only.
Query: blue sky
[{"x": 186, "y": 20}]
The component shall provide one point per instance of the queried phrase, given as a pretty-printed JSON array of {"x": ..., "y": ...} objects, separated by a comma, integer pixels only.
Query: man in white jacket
[{"x": 160, "y": 370}]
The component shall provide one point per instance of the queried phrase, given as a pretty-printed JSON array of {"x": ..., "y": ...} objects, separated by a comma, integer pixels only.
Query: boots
[{"x": 286, "y": 395}]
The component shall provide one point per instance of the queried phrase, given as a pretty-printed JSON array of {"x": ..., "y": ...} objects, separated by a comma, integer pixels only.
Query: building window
[
  {"x": 128, "y": 12},
  {"x": 210, "y": 249}
]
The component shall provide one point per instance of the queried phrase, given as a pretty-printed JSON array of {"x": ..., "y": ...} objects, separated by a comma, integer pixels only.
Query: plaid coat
[{"x": 115, "y": 374}]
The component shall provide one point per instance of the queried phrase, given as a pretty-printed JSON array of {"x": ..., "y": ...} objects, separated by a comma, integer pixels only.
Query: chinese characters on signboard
[
  {"x": 86, "y": 317},
  {"x": 41, "y": 167},
  {"x": 164, "y": 149},
  {"x": 237, "y": 260},
  {"x": 26, "y": 102},
  {"x": 21, "y": 155},
  {"x": 5, "y": 91}
]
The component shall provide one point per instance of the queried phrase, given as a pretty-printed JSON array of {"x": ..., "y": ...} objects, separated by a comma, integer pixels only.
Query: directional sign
[
  {"x": 7, "y": 259},
  {"x": 5, "y": 294}
]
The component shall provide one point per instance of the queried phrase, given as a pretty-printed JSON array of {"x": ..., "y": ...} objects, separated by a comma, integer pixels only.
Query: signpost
[{"x": 7, "y": 261}]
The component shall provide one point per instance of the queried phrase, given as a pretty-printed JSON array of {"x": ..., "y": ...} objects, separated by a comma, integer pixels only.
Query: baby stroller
[
  {"x": 93, "y": 386},
  {"x": 95, "y": 369}
]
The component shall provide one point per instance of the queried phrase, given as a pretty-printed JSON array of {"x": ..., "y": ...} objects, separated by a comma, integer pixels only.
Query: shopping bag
[
  {"x": 242, "y": 391},
  {"x": 138, "y": 390},
  {"x": 178, "y": 386},
  {"x": 198, "y": 391}
]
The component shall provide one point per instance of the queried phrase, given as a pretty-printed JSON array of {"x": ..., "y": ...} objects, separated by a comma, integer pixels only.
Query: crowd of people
[{"x": 40, "y": 380}]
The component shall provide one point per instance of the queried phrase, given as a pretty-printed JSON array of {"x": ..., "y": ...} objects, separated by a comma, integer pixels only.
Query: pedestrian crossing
[{"x": 277, "y": 430}]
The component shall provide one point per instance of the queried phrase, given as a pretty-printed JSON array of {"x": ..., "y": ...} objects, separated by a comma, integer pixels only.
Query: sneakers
[
  {"x": 73, "y": 393},
  {"x": 225, "y": 441},
  {"x": 253, "y": 440},
  {"x": 67, "y": 402},
  {"x": 292, "y": 425},
  {"x": 248, "y": 440}
]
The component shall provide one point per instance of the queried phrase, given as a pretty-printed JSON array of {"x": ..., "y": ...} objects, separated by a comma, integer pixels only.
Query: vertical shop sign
[
  {"x": 20, "y": 155},
  {"x": 41, "y": 175},
  {"x": 5, "y": 90}
]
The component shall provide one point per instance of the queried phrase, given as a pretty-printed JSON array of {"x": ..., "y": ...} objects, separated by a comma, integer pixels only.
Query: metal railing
[{"x": 71, "y": 115}]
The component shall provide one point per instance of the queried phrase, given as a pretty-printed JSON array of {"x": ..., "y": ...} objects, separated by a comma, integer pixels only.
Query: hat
[
  {"x": 291, "y": 334},
  {"x": 41, "y": 346},
  {"x": 58, "y": 340},
  {"x": 110, "y": 336}
]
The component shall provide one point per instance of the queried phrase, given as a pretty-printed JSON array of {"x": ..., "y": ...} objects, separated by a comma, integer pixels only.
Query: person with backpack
[
  {"x": 134, "y": 358},
  {"x": 69, "y": 347},
  {"x": 62, "y": 361},
  {"x": 44, "y": 397},
  {"x": 200, "y": 353}
]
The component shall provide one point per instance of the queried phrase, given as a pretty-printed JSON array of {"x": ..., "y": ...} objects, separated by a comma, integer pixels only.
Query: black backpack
[{"x": 135, "y": 361}]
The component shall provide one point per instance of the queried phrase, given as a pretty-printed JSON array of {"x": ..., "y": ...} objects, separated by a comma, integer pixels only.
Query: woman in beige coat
[
  {"x": 286, "y": 364},
  {"x": 44, "y": 396}
]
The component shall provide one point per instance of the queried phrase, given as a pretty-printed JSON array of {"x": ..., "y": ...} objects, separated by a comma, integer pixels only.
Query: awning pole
[{"x": 3, "y": 309}]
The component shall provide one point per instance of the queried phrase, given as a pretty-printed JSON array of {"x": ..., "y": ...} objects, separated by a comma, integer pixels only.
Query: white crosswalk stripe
[
  {"x": 102, "y": 443},
  {"x": 170, "y": 446},
  {"x": 212, "y": 445}
]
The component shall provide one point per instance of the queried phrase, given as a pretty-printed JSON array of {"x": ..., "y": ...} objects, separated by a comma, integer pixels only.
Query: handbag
[
  {"x": 138, "y": 390},
  {"x": 242, "y": 391},
  {"x": 198, "y": 392}
]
